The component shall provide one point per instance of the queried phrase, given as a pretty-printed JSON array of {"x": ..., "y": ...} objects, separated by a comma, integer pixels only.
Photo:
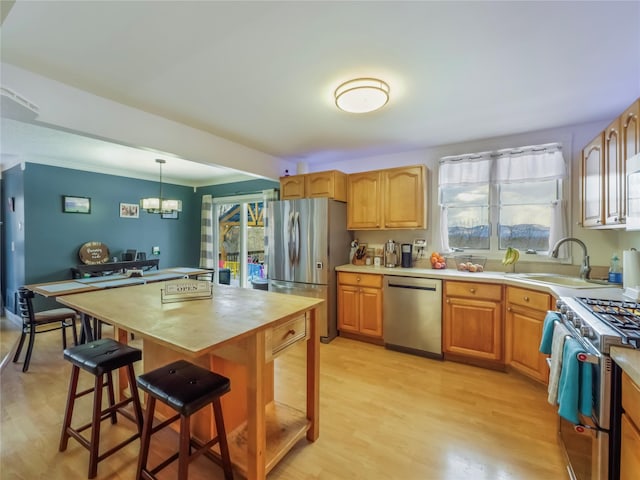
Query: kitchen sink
[{"x": 564, "y": 281}]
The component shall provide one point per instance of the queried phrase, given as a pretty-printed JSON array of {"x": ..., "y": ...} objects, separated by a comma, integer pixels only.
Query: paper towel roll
[{"x": 631, "y": 269}]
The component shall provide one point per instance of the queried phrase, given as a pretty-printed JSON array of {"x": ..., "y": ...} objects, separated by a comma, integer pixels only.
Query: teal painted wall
[{"x": 46, "y": 240}]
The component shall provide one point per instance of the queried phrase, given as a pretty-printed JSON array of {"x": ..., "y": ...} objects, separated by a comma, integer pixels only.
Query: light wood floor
[{"x": 384, "y": 415}]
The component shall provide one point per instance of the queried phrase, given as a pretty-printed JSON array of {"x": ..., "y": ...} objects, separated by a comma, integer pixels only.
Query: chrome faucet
[{"x": 585, "y": 268}]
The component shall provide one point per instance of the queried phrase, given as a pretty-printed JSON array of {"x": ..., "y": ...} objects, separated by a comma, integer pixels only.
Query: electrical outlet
[{"x": 420, "y": 242}]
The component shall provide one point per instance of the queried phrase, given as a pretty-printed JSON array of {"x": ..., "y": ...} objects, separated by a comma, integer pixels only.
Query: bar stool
[
  {"x": 186, "y": 388},
  {"x": 100, "y": 358}
]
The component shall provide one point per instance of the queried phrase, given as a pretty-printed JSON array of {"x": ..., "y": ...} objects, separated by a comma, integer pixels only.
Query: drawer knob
[
  {"x": 472, "y": 290},
  {"x": 357, "y": 279},
  {"x": 508, "y": 309},
  {"x": 526, "y": 299}
]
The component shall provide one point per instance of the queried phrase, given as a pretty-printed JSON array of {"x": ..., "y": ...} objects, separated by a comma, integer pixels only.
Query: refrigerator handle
[
  {"x": 297, "y": 236},
  {"x": 294, "y": 237},
  {"x": 291, "y": 241}
]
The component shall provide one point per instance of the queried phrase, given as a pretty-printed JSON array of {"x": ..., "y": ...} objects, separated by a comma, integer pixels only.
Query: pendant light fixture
[
  {"x": 159, "y": 204},
  {"x": 362, "y": 95}
]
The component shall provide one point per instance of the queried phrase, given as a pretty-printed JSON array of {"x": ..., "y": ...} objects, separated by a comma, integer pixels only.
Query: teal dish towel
[
  {"x": 575, "y": 385},
  {"x": 547, "y": 332}
]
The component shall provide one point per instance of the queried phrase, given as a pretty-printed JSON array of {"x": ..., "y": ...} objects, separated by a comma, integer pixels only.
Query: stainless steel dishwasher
[{"x": 412, "y": 315}]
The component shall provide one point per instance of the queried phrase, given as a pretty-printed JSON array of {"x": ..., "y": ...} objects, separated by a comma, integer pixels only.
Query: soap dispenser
[{"x": 615, "y": 270}]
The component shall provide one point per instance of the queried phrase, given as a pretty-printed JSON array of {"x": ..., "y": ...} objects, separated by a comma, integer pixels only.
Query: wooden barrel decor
[{"x": 93, "y": 253}]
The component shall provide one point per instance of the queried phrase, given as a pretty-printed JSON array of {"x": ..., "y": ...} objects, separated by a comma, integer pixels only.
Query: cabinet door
[
  {"x": 614, "y": 175},
  {"x": 630, "y": 143},
  {"x": 630, "y": 130},
  {"x": 371, "y": 311},
  {"x": 363, "y": 205},
  {"x": 523, "y": 331},
  {"x": 292, "y": 187},
  {"x": 629, "y": 450},
  {"x": 592, "y": 187},
  {"x": 348, "y": 308},
  {"x": 404, "y": 197},
  {"x": 331, "y": 184},
  {"x": 473, "y": 328}
]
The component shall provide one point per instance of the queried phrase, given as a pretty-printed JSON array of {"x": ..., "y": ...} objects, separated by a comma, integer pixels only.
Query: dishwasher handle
[{"x": 412, "y": 287}]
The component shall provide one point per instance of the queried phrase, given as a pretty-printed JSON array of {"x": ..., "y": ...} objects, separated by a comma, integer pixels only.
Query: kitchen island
[{"x": 237, "y": 333}]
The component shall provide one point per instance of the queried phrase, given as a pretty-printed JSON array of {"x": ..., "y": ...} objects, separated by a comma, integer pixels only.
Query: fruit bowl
[{"x": 470, "y": 263}]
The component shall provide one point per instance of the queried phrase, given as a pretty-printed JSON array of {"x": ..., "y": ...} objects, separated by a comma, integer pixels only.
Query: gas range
[
  {"x": 622, "y": 316},
  {"x": 602, "y": 323}
]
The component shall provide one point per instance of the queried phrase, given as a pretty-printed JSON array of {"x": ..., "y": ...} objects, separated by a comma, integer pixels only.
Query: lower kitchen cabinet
[
  {"x": 525, "y": 313},
  {"x": 360, "y": 305},
  {"x": 472, "y": 324},
  {"x": 630, "y": 430}
]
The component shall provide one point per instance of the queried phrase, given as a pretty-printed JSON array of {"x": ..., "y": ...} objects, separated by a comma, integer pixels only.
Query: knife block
[{"x": 358, "y": 261}]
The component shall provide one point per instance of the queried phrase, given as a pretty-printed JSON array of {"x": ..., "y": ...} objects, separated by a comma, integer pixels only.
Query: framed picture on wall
[
  {"x": 171, "y": 216},
  {"x": 76, "y": 204},
  {"x": 129, "y": 210}
]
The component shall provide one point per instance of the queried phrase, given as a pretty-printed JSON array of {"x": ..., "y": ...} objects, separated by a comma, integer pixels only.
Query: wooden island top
[{"x": 235, "y": 329}]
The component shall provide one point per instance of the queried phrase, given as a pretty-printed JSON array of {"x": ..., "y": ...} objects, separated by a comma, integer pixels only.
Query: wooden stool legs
[
  {"x": 184, "y": 453},
  {"x": 99, "y": 414}
]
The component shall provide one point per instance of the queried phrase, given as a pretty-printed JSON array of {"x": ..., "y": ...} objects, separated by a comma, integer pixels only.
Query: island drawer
[{"x": 283, "y": 336}]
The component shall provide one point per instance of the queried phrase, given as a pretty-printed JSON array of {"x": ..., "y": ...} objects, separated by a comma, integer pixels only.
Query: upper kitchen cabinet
[
  {"x": 614, "y": 179},
  {"x": 404, "y": 197},
  {"x": 592, "y": 192},
  {"x": 385, "y": 199},
  {"x": 364, "y": 206},
  {"x": 292, "y": 187},
  {"x": 604, "y": 169},
  {"x": 630, "y": 131},
  {"x": 330, "y": 184}
]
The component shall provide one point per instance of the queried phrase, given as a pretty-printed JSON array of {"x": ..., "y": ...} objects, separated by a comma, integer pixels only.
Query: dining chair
[{"x": 41, "y": 322}]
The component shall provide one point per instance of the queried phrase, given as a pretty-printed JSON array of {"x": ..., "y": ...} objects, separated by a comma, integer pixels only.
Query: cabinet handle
[
  {"x": 448, "y": 301},
  {"x": 357, "y": 279},
  {"x": 472, "y": 290},
  {"x": 508, "y": 309},
  {"x": 598, "y": 221},
  {"x": 526, "y": 299},
  {"x": 290, "y": 332}
]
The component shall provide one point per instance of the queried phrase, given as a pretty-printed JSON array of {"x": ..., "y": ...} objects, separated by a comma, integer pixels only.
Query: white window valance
[
  {"x": 511, "y": 165},
  {"x": 465, "y": 169},
  {"x": 530, "y": 164}
]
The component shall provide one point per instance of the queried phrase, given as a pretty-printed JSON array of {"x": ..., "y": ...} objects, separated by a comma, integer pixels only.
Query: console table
[{"x": 111, "y": 268}]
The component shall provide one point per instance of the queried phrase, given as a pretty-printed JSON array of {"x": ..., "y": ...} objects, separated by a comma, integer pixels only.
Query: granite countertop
[
  {"x": 629, "y": 360},
  {"x": 514, "y": 279}
]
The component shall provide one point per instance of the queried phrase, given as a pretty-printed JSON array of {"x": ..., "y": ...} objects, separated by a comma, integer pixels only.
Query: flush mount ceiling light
[
  {"x": 362, "y": 95},
  {"x": 159, "y": 204}
]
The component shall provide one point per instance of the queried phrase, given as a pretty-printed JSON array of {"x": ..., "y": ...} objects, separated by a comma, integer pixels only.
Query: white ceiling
[{"x": 262, "y": 74}]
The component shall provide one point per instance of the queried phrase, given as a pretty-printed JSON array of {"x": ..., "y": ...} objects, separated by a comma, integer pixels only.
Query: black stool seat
[
  {"x": 186, "y": 388},
  {"x": 101, "y": 356},
  {"x": 183, "y": 386}
]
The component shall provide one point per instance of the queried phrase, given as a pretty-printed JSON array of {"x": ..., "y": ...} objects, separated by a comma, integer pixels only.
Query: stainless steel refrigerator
[{"x": 306, "y": 240}]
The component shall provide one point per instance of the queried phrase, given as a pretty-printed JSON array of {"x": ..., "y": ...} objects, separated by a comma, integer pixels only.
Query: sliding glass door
[{"x": 240, "y": 233}]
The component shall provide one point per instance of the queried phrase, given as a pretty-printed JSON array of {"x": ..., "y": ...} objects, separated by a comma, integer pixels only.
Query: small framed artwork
[
  {"x": 129, "y": 210},
  {"x": 170, "y": 216},
  {"x": 76, "y": 204}
]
